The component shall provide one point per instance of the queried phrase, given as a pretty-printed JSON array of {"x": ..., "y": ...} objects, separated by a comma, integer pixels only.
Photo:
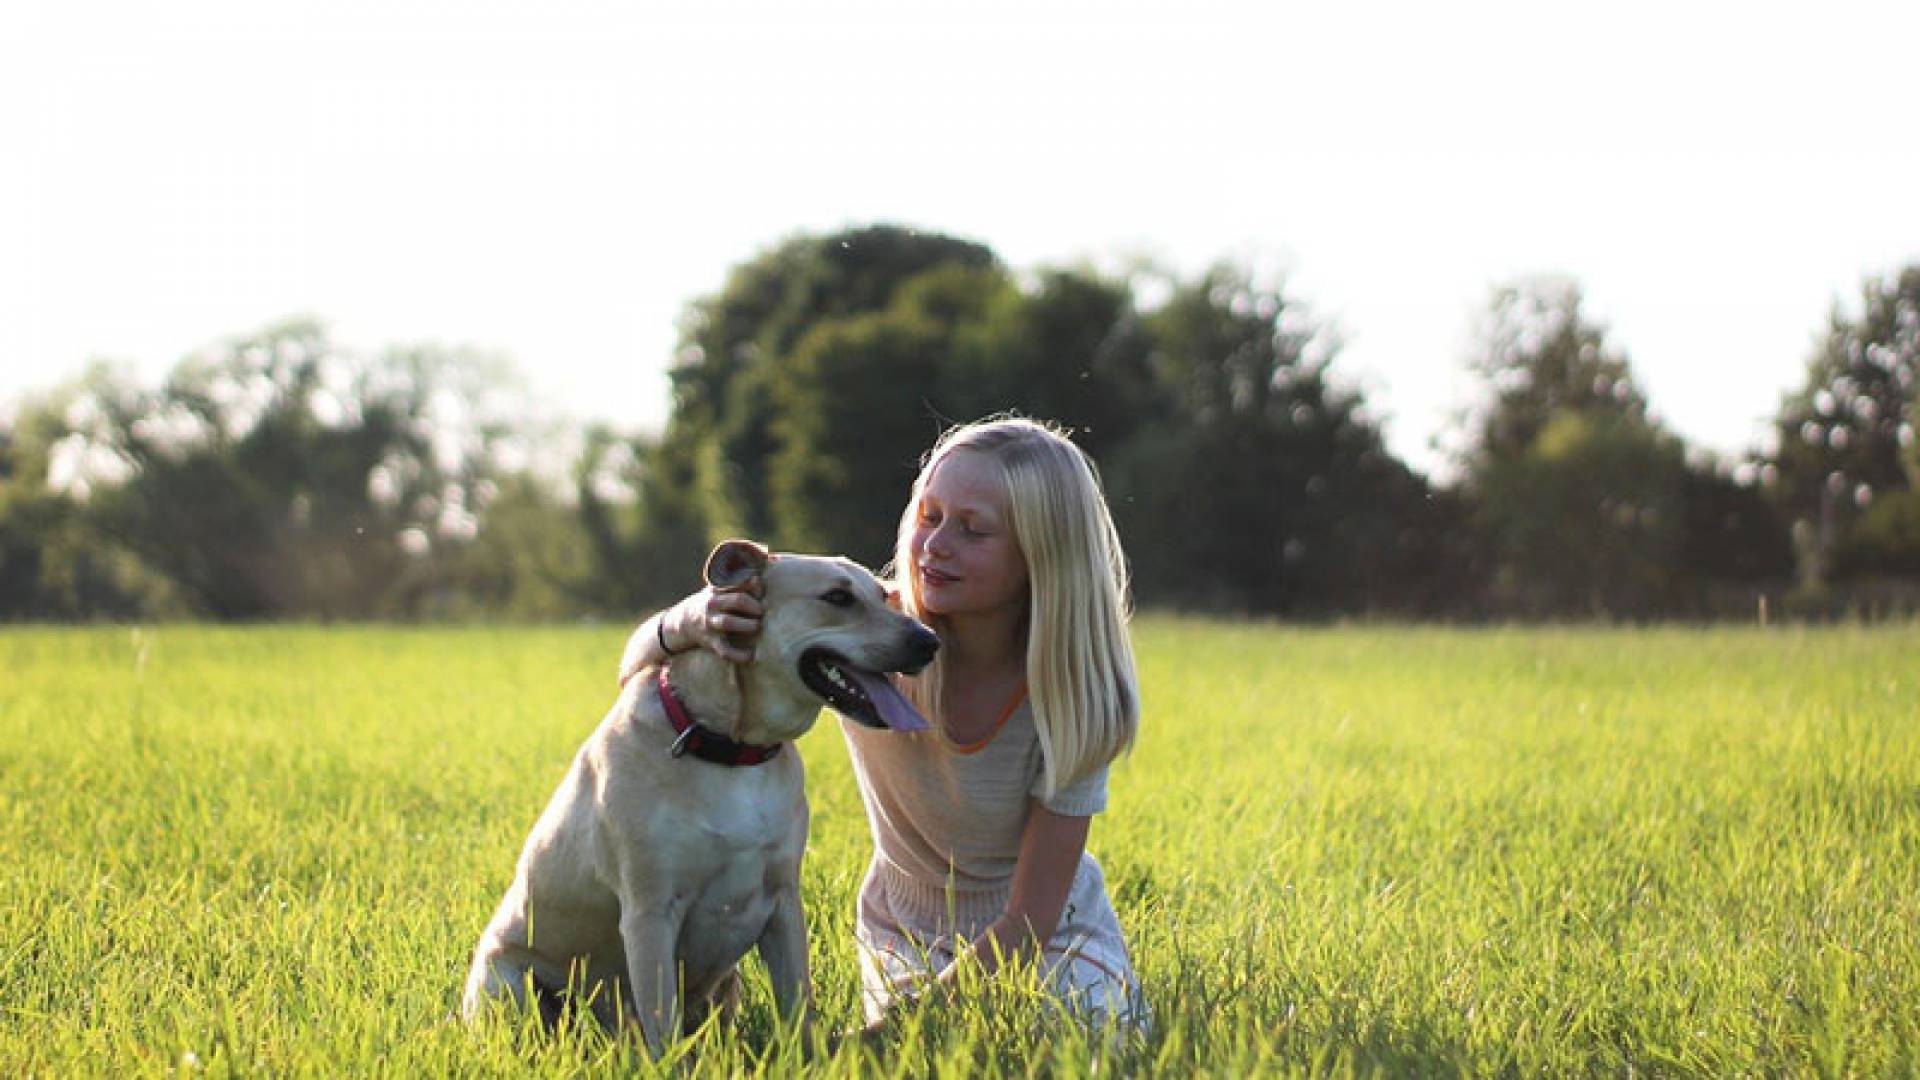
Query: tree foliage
[
  {"x": 1539, "y": 357},
  {"x": 645, "y": 529},
  {"x": 51, "y": 564},
  {"x": 1225, "y": 381},
  {"x": 736, "y": 343},
  {"x": 1846, "y": 437},
  {"x": 857, "y": 411},
  {"x": 278, "y": 474},
  {"x": 1266, "y": 487},
  {"x": 1585, "y": 503}
]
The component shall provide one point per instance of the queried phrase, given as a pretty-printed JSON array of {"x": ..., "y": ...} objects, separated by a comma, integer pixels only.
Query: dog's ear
[{"x": 736, "y": 565}]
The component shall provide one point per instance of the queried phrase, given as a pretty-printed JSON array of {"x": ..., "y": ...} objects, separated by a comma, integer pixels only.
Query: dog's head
[{"x": 828, "y": 626}]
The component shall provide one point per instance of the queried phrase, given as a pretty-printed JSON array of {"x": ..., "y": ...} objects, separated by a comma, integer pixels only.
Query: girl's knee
[{"x": 1101, "y": 995}]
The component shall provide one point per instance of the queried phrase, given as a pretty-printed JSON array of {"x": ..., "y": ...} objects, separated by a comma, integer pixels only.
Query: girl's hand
[
  {"x": 724, "y": 623},
  {"x": 871, "y": 1035}
]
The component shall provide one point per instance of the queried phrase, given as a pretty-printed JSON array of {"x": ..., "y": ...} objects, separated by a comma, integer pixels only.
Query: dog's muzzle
[{"x": 868, "y": 697}]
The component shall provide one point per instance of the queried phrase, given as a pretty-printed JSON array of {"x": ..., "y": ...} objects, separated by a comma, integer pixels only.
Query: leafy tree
[
  {"x": 52, "y": 563},
  {"x": 1732, "y": 533},
  {"x": 864, "y": 396},
  {"x": 530, "y": 558},
  {"x": 1846, "y": 437},
  {"x": 735, "y": 345},
  {"x": 1071, "y": 349},
  {"x": 1886, "y": 537},
  {"x": 1270, "y": 489},
  {"x": 276, "y": 474},
  {"x": 1578, "y": 493},
  {"x": 646, "y": 533},
  {"x": 856, "y": 417},
  {"x": 810, "y": 387},
  {"x": 1590, "y": 519},
  {"x": 1539, "y": 356}
]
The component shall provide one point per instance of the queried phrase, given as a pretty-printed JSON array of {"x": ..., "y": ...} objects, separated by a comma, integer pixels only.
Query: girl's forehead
[{"x": 967, "y": 479}]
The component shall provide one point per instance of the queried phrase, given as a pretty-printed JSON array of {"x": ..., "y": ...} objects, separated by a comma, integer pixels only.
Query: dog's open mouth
[{"x": 864, "y": 697}]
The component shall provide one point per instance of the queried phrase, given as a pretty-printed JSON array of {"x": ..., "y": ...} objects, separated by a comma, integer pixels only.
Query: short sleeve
[{"x": 1084, "y": 797}]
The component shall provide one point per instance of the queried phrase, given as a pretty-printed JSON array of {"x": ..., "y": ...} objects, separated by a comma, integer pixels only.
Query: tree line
[{"x": 281, "y": 475}]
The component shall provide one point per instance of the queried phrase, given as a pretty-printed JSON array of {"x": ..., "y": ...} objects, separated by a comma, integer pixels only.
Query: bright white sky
[{"x": 556, "y": 181}]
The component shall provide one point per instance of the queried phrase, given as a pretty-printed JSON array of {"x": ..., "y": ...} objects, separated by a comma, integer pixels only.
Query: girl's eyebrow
[{"x": 974, "y": 509}]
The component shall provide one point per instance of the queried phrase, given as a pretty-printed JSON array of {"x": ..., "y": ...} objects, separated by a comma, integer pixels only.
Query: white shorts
[{"x": 1084, "y": 963}]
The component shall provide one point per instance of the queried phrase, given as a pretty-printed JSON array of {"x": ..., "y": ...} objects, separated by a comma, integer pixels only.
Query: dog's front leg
[
  {"x": 649, "y": 935},
  {"x": 783, "y": 948}
]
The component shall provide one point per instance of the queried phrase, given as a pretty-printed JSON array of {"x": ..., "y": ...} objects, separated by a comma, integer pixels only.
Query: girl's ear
[{"x": 736, "y": 565}]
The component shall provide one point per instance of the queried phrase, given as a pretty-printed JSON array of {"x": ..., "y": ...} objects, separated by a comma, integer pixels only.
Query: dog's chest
[
  {"x": 725, "y": 921},
  {"x": 749, "y": 846},
  {"x": 752, "y": 813}
]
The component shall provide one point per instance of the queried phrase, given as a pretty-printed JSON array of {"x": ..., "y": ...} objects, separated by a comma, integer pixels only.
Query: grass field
[{"x": 1567, "y": 852}]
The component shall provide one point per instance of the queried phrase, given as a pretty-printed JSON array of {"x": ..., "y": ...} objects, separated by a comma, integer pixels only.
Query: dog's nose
[{"x": 922, "y": 643}]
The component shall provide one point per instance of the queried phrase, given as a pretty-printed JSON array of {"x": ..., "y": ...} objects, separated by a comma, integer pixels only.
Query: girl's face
[{"x": 965, "y": 557}]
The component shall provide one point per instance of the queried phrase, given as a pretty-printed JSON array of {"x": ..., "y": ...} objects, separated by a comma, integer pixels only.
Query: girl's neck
[{"x": 978, "y": 645}]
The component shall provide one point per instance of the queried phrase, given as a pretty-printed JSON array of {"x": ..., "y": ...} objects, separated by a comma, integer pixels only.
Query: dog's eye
[{"x": 838, "y": 597}]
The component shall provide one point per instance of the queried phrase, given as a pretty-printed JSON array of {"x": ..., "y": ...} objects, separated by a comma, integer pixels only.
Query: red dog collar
[{"x": 705, "y": 743}]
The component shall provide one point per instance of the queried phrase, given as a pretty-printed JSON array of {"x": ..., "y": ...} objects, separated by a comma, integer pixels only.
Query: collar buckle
[
  {"x": 706, "y": 745},
  {"x": 680, "y": 742}
]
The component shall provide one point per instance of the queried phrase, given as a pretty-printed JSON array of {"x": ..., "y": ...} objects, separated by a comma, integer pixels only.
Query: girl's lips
[{"x": 934, "y": 577}]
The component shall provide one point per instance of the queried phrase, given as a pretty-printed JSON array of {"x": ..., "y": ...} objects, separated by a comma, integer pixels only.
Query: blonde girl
[{"x": 980, "y": 824}]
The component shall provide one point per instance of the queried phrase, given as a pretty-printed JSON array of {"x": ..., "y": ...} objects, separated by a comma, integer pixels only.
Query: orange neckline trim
[{"x": 980, "y": 744}]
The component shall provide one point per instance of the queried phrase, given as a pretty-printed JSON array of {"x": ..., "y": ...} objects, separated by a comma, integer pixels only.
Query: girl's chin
[
  {"x": 951, "y": 607},
  {"x": 942, "y": 600}
]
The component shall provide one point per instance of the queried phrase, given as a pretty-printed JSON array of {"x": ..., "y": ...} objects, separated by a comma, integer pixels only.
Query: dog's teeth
[{"x": 839, "y": 680}]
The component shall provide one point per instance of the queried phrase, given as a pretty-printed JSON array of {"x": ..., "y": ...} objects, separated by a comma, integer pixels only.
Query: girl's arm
[
  {"x": 1050, "y": 851},
  {"x": 702, "y": 621}
]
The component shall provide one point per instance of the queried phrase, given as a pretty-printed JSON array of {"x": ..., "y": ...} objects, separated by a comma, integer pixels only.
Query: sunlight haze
[{"x": 556, "y": 183}]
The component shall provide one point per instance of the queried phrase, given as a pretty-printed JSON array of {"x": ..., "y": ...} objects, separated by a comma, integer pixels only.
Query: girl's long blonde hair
[{"x": 1080, "y": 672}]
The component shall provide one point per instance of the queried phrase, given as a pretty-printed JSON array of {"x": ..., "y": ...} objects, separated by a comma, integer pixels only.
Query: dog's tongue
[{"x": 895, "y": 710}]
